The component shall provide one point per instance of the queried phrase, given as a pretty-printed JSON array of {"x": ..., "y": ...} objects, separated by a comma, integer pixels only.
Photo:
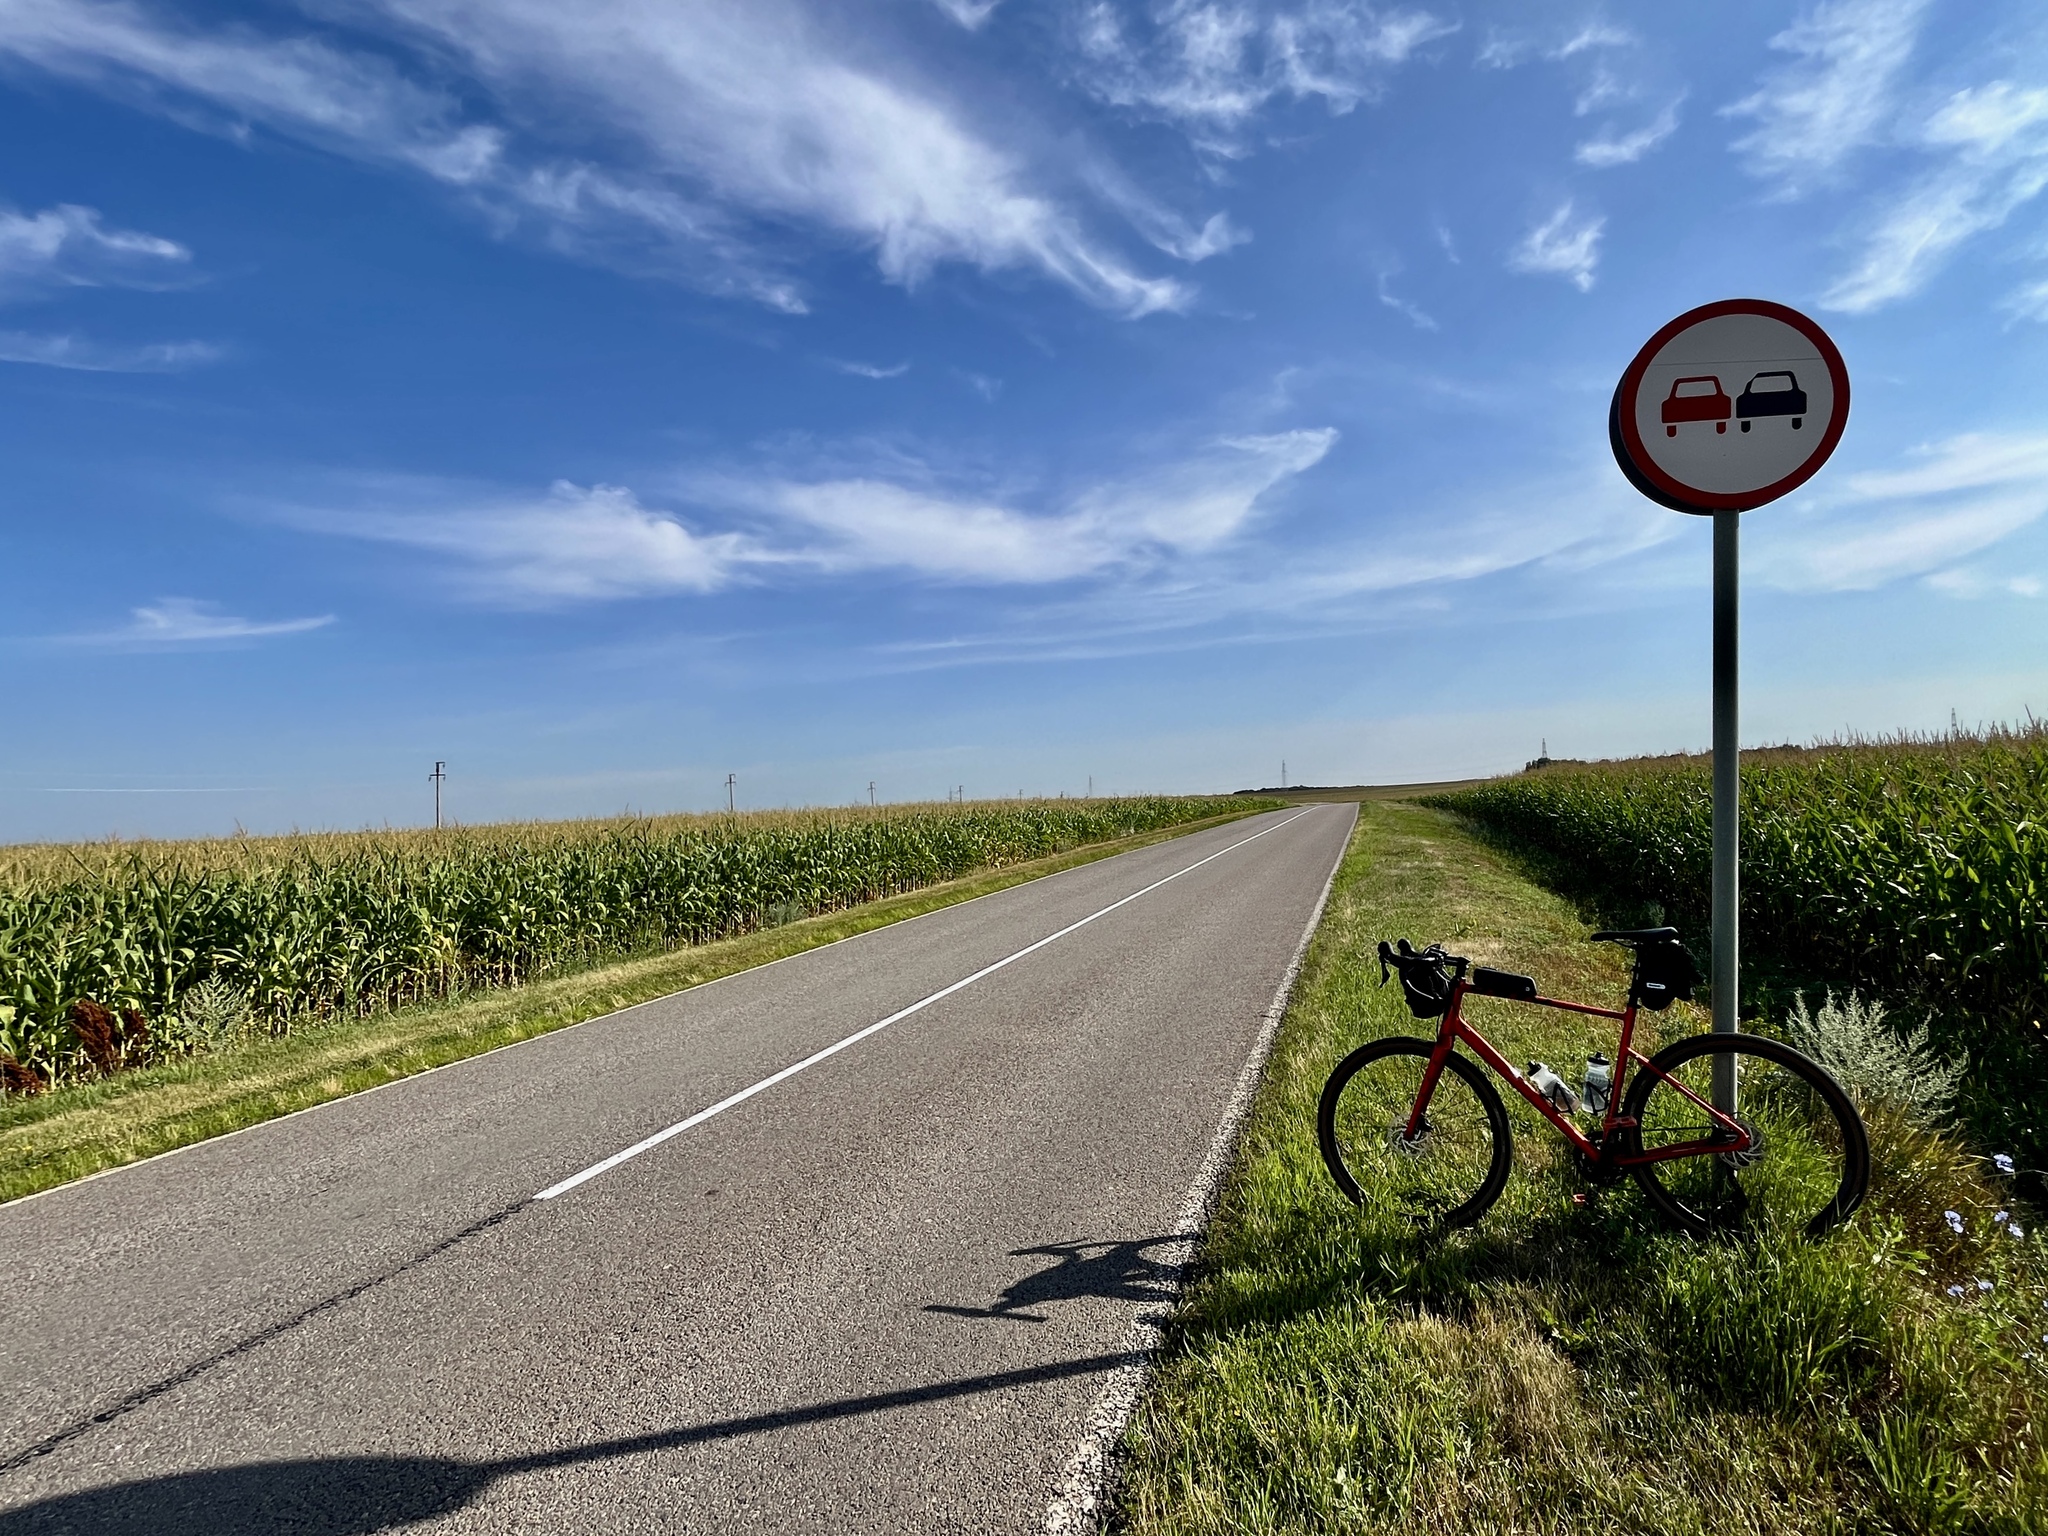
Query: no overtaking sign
[{"x": 1729, "y": 406}]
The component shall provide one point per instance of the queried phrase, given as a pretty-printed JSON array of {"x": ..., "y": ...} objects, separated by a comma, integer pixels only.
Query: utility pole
[
  {"x": 1091, "y": 786},
  {"x": 731, "y": 809},
  {"x": 440, "y": 772},
  {"x": 871, "y": 794},
  {"x": 1283, "y": 773}
]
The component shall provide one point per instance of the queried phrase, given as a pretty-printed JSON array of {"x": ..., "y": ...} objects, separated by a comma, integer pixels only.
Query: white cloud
[
  {"x": 735, "y": 120},
  {"x": 1626, "y": 149},
  {"x": 1594, "y": 34},
  {"x": 54, "y": 351},
  {"x": 869, "y": 370},
  {"x": 1212, "y": 65},
  {"x": 68, "y": 246},
  {"x": 1414, "y": 313},
  {"x": 1838, "y": 96},
  {"x": 1563, "y": 245},
  {"x": 1951, "y": 501},
  {"x": 356, "y": 102},
  {"x": 576, "y": 544},
  {"x": 969, "y": 13},
  {"x": 177, "y": 621},
  {"x": 1182, "y": 508},
  {"x": 1994, "y": 144},
  {"x": 1505, "y": 49},
  {"x": 600, "y": 543}
]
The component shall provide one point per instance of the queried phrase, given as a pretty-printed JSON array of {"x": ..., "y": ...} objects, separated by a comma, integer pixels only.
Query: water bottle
[
  {"x": 1599, "y": 1078},
  {"x": 1553, "y": 1088}
]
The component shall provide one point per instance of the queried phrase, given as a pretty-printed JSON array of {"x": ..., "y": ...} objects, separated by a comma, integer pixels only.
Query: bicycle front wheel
[
  {"x": 1450, "y": 1170},
  {"x": 1808, "y": 1163}
]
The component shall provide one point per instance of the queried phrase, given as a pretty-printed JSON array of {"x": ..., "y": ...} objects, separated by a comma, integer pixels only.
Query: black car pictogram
[{"x": 1786, "y": 399}]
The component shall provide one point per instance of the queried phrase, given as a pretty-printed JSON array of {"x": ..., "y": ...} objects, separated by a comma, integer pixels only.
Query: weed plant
[
  {"x": 1567, "y": 1368},
  {"x": 114, "y": 955}
]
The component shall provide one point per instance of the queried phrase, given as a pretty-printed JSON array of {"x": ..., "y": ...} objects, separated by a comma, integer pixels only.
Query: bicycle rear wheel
[
  {"x": 1450, "y": 1171},
  {"x": 1809, "y": 1162}
]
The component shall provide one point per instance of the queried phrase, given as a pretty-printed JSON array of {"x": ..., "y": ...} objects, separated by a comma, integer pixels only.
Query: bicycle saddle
[{"x": 1635, "y": 936}]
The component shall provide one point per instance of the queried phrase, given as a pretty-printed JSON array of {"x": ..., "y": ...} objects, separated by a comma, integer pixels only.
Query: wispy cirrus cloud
[
  {"x": 599, "y": 543},
  {"x": 1839, "y": 95},
  {"x": 69, "y": 246},
  {"x": 1948, "y": 502},
  {"x": 1213, "y": 65},
  {"x": 1608, "y": 150},
  {"x": 737, "y": 121},
  {"x": 1992, "y": 147},
  {"x": 969, "y": 13},
  {"x": 1566, "y": 245},
  {"x": 87, "y": 355},
  {"x": 867, "y": 370},
  {"x": 174, "y": 622}
]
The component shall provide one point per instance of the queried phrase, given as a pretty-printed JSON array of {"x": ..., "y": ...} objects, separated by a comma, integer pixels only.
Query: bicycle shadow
[
  {"x": 363, "y": 1495},
  {"x": 1146, "y": 1269}
]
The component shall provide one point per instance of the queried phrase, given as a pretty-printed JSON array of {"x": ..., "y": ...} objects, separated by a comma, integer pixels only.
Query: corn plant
[{"x": 273, "y": 933}]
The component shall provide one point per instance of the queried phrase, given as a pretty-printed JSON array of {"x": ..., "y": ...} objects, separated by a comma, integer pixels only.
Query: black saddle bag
[{"x": 1665, "y": 974}]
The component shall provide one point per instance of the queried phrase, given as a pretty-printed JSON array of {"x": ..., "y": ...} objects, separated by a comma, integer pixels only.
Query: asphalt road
[{"x": 883, "y": 1293}]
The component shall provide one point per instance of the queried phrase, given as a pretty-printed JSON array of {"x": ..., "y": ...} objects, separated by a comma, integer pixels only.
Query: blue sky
[{"x": 1004, "y": 393}]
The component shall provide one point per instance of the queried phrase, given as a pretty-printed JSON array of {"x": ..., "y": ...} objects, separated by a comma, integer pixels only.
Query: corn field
[
  {"x": 1915, "y": 869},
  {"x": 114, "y": 955}
]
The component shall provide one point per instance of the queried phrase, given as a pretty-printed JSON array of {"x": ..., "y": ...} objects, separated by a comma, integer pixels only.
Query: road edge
[{"x": 1088, "y": 1482}]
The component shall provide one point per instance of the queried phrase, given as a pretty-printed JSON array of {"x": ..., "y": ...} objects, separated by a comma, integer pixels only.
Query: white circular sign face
[{"x": 1730, "y": 406}]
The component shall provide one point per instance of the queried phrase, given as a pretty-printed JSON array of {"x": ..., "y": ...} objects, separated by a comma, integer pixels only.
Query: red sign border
[{"x": 1694, "y": 500}]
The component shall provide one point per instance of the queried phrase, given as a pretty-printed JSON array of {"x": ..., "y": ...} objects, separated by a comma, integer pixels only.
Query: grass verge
[
  {"x": 1567, "y": 1368},
  {"x": 75, "y": 1131}
]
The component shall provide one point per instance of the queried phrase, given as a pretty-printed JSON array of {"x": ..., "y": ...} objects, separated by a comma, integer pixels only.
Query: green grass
[
  {"x": 1568, "y": 1368},
  {"x": 83, "y": 1129}
]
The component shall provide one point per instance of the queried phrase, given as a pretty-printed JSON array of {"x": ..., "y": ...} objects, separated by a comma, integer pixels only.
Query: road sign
[{"x": 1729, "y": 406}]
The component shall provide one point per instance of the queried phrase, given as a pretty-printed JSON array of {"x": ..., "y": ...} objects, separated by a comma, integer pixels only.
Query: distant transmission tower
[
  {"x": 871, "y": 794},
  {"x": 440, "y": 772},
  {"x": 731, "y": 808}
]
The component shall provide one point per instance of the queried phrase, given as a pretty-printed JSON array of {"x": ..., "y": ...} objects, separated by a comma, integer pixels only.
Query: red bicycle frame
[{"x": 1454, "y": 1028}]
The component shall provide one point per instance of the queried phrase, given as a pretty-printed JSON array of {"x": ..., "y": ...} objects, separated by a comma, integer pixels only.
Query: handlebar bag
[{"x": 1427, "y": 986}]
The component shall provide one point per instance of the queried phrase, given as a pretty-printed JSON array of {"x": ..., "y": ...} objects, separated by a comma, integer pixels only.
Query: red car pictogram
[{"x": 1712, "y": 404}]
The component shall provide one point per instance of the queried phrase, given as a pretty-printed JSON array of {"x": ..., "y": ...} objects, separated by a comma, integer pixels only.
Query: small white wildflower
[
  {"x": 1956, "y": 1291},
  {"x": 2002, "y": 1161},
  {"x": 2001, "y": 1217},
  {"x": 1983, "y": 1285},
  {"x": 1954, "y": 1220},
  {"x": 2017, "y": 1230}
]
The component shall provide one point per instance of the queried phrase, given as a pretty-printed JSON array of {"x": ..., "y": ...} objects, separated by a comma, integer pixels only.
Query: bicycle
[{"x": 1414, "y": 1124}]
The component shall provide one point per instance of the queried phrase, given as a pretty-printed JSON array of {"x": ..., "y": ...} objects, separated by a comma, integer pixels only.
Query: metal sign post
[{"x": 1669, "y": 425}]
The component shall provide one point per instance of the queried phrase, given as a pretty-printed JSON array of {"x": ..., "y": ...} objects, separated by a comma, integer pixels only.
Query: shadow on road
[
  {"x": 1129, "y": 1271},
  {"x": 358, "y": 1495}
]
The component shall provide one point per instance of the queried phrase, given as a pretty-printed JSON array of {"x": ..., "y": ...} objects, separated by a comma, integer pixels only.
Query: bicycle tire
[
  {"x": 1806, "y": 1124},
  {"x": 1429, "y": 1174}
]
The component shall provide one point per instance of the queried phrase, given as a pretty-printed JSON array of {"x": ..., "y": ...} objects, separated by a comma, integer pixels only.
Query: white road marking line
[
  {"x": 879, "y": 1025},
  {"x": 1084, "y": 1489}
]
